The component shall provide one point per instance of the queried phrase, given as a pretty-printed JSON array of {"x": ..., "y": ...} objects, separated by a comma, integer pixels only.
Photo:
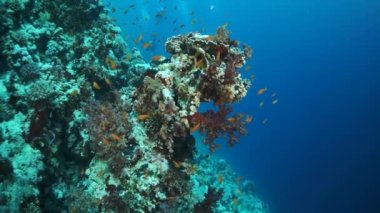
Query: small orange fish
[
  {"x": 139, "y": 38},
  {"x": 262, "y": 91},
  {"x": 209, "y": 38},
  {"x": 218, "y": 55},
  {"x": 176, "y": 164},
  {"x": 115, "y": 137},
  {"x": 231, "y": 120},
  {"x": 199, "y": 63},
  {"x": 95, "y": 85},
  {"x": 220, "y": 178},
  {"x": 106, "y": 142},
  {"x": 248, "y": 119},
  {"x": 147, "y": 45},
  {"x": 195, "y": 128},
  {"x": 157, "y": 58},
  {"x": 111, "y": 63},
  {"x": 143, "y": 117}
]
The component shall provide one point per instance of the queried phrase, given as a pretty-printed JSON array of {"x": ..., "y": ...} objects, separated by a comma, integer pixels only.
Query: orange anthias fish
[
  {"x": 157, "y": 58},
  {"x": 147, "y": 45},
  {"x": 115, "y": 137},
  {"x": 176, "y": 164},
  {"x": 232, "y": 119},
  {"x": 195, "y": 128},
  {"x": 111, "y": 63},
  {"x": 248, "y": 119},
  {"x": 138, "y": 39},
  {"x": 143, "y": 117},
  {"x": 199, "y": 63},
  {"x": 262, "y": 91}
]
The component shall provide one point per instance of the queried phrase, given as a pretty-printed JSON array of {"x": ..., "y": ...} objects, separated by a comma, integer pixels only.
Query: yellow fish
[{"x": 95, "y": 85}]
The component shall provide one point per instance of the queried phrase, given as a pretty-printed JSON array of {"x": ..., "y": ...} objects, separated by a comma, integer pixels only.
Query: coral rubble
[{"x": 86, "y": 125}]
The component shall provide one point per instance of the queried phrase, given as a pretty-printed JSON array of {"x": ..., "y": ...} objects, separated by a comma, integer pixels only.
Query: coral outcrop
[{"x": 86, "y": 125}]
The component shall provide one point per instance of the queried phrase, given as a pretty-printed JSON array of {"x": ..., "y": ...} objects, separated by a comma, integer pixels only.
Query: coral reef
[{"x": 86, "y": 125}]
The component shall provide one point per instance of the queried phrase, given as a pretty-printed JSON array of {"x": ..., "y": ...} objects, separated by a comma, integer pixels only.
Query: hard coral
[
  {"x": 29, "y": 71},
  {"x": 207, "y": 205}
]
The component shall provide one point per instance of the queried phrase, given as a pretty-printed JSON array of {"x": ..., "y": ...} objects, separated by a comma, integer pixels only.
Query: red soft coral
[{"x": 216, "y": 124}]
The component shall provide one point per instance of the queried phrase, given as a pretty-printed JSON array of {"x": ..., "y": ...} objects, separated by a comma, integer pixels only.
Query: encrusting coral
[{"x": 86, "y": 125}]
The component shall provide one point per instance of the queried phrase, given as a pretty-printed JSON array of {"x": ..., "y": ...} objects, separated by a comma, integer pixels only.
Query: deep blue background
[{"x": 319, "y": 151}]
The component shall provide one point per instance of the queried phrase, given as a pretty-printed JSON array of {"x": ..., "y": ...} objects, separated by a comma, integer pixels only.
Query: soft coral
[{"x": 215, "y": 124}]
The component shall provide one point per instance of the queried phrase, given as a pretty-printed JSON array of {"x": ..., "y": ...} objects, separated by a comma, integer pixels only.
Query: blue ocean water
[{"x": 318, "y": 151}]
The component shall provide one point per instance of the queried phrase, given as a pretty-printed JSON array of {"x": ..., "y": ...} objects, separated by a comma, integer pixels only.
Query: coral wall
[{"x": 88, "y": 126}]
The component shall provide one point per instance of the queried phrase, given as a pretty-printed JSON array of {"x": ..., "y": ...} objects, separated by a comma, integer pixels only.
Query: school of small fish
[
  {"x": 169, "y": 14},
  {"x": 165, "y": 14}
]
